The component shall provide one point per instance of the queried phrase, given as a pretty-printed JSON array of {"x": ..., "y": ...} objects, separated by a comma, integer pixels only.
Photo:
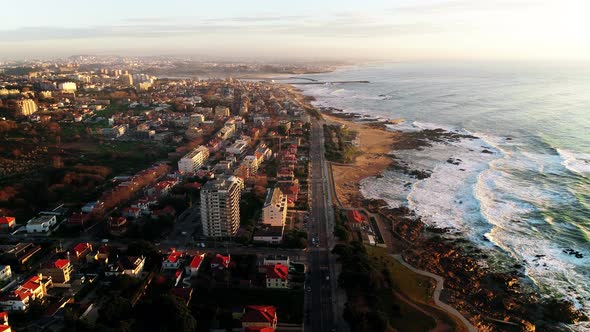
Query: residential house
[
  {"x": 277, "y": 276},
  {"x": 173, "y": 261},
  {"x": 196, "y": 264},
  {"x": 129, "y": 265},
  {"x": 7, "y": 224},
  {"x": 79, "y": 219},
  {"x": 220, "y": 262},
  {"x": 20, "y": 252},
  {"x": 4, "y": 325},
  {"x": 5, "y": 272},
  {"x": 81, "y": 250},
  {"x": 20, "y": 299},
  {"x": 59, "y": 270},
  {"x": 259, "y": 316},
  {"x": 41, "y": 224}
]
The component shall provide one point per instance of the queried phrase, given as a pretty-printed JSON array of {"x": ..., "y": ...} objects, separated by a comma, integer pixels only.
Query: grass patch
[{"x": 417, "y": 287}]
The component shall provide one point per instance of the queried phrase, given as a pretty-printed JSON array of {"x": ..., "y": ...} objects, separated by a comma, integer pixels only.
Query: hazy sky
[{"x": 371, "y": 29}]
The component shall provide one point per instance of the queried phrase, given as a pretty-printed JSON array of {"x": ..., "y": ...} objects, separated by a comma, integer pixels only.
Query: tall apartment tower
[
  {"x": 220, "y": 206},
  {"x": 26, "y": 107}
]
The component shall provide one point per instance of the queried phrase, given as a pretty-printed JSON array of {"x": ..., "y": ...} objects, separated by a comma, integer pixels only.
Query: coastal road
[{"x": 320, "y": 309}]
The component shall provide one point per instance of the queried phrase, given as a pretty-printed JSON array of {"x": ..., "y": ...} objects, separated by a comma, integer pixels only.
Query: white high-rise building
[
  {"x": 26, "y": 107},
  {"x": 193, "y": 160},
  {"x": 220, "y": 206}
]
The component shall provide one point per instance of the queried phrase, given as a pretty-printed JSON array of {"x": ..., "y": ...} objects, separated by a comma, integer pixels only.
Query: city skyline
[{"x": 348, "y": 30}]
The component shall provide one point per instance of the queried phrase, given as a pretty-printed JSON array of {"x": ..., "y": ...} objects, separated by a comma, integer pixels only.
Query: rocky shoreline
[{"x": 493, "y": 301}]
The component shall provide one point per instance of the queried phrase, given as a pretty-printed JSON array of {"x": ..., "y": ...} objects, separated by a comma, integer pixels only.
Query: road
[{"x": 320, "y": 301}]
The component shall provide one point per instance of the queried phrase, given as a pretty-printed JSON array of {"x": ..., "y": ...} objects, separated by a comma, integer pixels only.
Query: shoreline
[{"x": 490, "y": 300}]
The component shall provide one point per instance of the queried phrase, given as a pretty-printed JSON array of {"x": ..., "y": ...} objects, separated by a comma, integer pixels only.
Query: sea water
[{"x": 526, "y": 199}]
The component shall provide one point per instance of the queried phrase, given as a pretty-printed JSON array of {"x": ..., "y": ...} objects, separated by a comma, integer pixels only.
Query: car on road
[{"x": 308, "y": 289}]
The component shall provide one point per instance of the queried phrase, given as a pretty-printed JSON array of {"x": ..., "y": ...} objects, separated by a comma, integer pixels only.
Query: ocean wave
[{"x": 576, "y": 162}]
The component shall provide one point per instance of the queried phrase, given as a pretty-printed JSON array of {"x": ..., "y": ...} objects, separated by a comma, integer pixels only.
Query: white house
[
  {"x": 41, "y": 224},
  {"x": 5, "y": 272},
  {"x": 274, "y": 211}
]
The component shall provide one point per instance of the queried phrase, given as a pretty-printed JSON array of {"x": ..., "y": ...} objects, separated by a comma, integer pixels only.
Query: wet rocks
[{"x": 573, "y": 252}]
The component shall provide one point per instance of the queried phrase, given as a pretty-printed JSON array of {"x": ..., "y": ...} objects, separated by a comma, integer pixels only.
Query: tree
[
  {"x": 165, "y": 312},
  {"x": 115, "y": 310}
]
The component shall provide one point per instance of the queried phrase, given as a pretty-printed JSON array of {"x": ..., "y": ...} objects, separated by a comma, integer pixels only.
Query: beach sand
[{"x": 375, "y": 145}]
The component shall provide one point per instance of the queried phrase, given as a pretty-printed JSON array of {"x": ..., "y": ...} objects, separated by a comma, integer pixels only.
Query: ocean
[{"x": 521, "y": 190}]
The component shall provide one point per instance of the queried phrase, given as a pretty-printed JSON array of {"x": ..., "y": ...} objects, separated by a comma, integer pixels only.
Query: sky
[{"x": 305, "y": 29}]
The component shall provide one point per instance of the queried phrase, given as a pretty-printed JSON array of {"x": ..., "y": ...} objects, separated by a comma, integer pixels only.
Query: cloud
[
  {"x": 455, "y": 6},
  {"x": 344, "y": 25}
]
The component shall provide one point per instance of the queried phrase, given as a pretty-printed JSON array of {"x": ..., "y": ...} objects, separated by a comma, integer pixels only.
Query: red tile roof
[
  {"x": 174, "y": 256},
  {"x": 355, "y": 216},
  {"x": 80, "y": 247},
  {"x": 220, "y": 260},
  {"x": 277, "y": 271},
  {"x": 260, "y": 314},
  {"x": 259, "y": 329},
  {"x": 61, "y": 263},
  {"x": 197, "y": 260},
  {"x": 7, "y": 220},
  {"x": 3, "y": 317}
]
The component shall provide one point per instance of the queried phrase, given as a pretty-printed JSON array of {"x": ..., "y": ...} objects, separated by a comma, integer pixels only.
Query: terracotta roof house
[
  {"x": 220, "y": 262},
  {"x": 277, "y": 276},
  {"x": 259, "y": 316}
]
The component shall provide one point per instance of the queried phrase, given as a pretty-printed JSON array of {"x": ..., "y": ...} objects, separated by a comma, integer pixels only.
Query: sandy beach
[{"x": 375, "y": 145}]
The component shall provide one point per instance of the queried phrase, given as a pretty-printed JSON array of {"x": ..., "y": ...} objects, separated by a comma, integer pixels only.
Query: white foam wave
[{"x": 576, "y": 162}]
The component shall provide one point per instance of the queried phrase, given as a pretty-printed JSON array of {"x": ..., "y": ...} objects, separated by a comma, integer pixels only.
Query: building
[
  {"x": 129, "y": 265},
  {"x": 196, "y": 264},
  {"x": 276, "y": 259},
  {"x": 238, "y": 148},
  {"x": 259, "y": 316},
  {"x": 4, "y": 326},
  {"x": 41, "y": 224},
  {"x": 60, "y": 271},
  {"x": 81, "y": 250},
  {"x": 221, "y": 112},
  {"x": 173, "y": 261},
  {"x": 20, "y": 252},
  {"x": 269, "y": 234},
  {"x": 67, "y": 86},
  {"x": 274, "y": 210},
  {"x": 195, "y": 120},
  {"x": 220, "y": 206},
  {"x": 277, "y": 276},
  {"x": 26, "y": 107},
  {"x": 193, "y": 160},
  {"x": 126, "y": 79},
  {"x": 5, "y": 272},
  {"x": 220, "y": 262},
  {"x": 7, "y": 224},
  {"x": 20, "y": 299}
]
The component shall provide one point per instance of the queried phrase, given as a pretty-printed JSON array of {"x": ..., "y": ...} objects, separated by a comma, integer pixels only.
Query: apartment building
[
  {"x": 274, "y": 211},
  {"x": 193, "y": 160},
  {"x": 220, "y": 206}
]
